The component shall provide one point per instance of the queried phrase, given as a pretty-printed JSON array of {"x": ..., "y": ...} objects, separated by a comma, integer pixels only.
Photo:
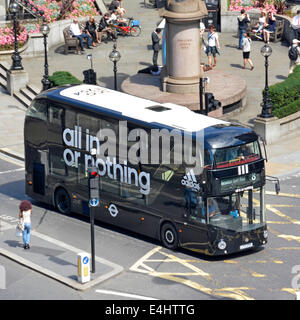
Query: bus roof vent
[{"x": 158, "y": 108}]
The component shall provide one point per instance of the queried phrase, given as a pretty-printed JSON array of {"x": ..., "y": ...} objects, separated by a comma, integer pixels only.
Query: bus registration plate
[{"x": 246, "y": 246}]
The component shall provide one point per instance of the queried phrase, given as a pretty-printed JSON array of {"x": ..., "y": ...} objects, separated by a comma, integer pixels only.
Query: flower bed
[
  {"x": 52, "y": 12},
  {"x": 52, "y": 9},
  {"x": 275, "y": 6},
  {"x": 7, "y": 37}
]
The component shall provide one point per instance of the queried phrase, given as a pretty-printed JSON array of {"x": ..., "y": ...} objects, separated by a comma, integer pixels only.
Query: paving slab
[{"x": 52, "y": 258}]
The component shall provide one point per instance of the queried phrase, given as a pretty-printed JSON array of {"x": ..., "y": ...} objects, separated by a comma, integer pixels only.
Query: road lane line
[
  {"x": 123, "y": 294},
  {"x": 227, "y": 292},
  {"x": 282, "y": 194},
  {"x": 11, "y": 171},
  {"x": 282, "y": 215}
]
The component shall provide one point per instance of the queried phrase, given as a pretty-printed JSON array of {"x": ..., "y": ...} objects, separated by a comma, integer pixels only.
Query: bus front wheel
[
  {"x": 62, "y": 201},
  {"x": 169, "y": 236}
]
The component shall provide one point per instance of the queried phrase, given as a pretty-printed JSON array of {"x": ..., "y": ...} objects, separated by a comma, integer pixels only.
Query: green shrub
[
  {"x": 286, "y": 95},
  {"x": 287, "y": 110},
  {"x": 60, "y": 78}
]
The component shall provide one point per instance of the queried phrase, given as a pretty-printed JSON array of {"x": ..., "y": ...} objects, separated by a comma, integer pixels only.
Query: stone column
[
  {"x": 267, "y": 128},
  {"x": 182, "y": 71},
  {"x": 16, "y": 80}
]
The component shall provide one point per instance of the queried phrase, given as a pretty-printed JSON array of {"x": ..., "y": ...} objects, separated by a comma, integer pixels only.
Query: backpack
[{"x": 293, "y": 53}]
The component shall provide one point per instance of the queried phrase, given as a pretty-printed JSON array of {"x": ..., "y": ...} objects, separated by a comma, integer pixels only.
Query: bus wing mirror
[
  {"x": 277, "y": 187},
  {"x": 264, "y": 147},
  {"x": 277, "y": 183}
]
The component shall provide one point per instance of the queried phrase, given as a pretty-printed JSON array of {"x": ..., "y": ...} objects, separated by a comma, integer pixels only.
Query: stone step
[
  {"x": 5, "y": 65},
  {"x": 3, "y": 74},
  {"x": 33, "y": 89},
  {"x": 3, "y": 83},
  {"x": 27, "y": 93},
  {"x": 21, "y": 98}
]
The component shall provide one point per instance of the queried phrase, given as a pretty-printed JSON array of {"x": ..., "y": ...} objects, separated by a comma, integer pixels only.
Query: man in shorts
[{"x": 213, "y": 45}]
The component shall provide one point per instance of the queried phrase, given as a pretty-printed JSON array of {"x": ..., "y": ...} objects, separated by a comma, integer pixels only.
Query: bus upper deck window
[{"x": 38, "y": 109}]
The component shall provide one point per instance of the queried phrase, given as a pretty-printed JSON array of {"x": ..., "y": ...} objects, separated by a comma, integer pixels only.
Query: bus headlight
[
  {"x": 222, "y": 244},
  {"x": 265, "y": 234}
]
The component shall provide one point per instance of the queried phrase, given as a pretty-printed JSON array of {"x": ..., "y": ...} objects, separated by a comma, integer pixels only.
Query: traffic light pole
[
  {"x": 93, "y": 203},
  {"x": 92, "y": 222},
  {"x": 201, "y": 94}
]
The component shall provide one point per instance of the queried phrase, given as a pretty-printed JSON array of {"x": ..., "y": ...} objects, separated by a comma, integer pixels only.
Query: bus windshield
[
  {"x": 239, "y": 211},
  {"x": 226, "y": 157}
]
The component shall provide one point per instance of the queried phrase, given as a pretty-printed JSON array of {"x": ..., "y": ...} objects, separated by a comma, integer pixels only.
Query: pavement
[
  {"x": 58, "y": 260},
  {"x": 51, "y": 257}
]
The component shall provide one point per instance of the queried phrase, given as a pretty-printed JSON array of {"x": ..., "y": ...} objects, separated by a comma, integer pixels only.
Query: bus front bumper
[{"x": 227, "y": 241}]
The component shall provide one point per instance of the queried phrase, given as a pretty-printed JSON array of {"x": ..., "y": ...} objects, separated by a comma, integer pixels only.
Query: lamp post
[
  {"x": 16, "y": 58},
  {"x": 114, "y": 57},
  {"x": 45, "y": 81},
  {"x": 267, "y": 104}
]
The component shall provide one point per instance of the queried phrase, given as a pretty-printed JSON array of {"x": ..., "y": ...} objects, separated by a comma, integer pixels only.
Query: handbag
[
  {"x": 20, "y": 224},
  {"x": 20, "y": 227},
  {"x": 19, "y": 232}
]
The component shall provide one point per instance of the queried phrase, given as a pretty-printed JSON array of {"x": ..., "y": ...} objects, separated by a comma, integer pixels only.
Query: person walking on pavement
[
  {"x": 155, "y": 36},
  {"x": 246, "y": 45},
  {"x": 243, "y": 21},
  {"x": 294, "y": 55},
  {"x": 25, "y": 214},
  {"x": 213, "y": 45}
]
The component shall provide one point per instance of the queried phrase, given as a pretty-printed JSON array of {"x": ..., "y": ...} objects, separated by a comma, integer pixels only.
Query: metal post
[
  {"x": 201, "y": 95},
  {"x": 267, "y": 104},
  {"x": 115, "y": 75},
  {"x": 92, "y": 222},
  {"x": 16, "y": 58},
  {"x": 45, "y": 81}
]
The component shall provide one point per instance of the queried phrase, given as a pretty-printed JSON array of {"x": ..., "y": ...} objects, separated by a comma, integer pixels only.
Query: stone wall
[
  {"x": 229, "y": 21},
  {"x": 35, "y": 44},
  {"x": 272, "y": 129}
]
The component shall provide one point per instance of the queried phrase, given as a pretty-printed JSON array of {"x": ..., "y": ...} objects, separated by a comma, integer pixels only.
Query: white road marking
[
  {"x": 11, "y": 160},
  {"x": 123, "y": 294},
  {"x": 11, "y": 171}
]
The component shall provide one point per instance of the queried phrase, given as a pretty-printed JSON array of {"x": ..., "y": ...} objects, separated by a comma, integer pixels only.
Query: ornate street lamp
[
  {"x": 114, "y": 57},
  {"x": 45, "y": 81},
  {"x": 16, "y": 58},
  {"x": 267, "y": 104}
]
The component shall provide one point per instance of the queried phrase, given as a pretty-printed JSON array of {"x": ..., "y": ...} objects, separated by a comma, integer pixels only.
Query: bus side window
[
  {"x": 70, "y": 119},
  {"x": 82, "y": 171},
  {"x": 38, "y": 109},
  {"x": 56, "y": 115},
  {"x": 56, "y": 161},
  {"x": 90, "y": 123},
  {"x": 110, "y": 132}
]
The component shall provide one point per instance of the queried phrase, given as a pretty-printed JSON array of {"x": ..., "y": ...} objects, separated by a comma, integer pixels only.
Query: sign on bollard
[
  {"x": 2, "y": 278},
  {"x": 83, "y": 260}
]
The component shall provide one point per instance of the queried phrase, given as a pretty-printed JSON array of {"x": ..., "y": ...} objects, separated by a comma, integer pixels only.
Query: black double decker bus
[{"x": 218, "y": 210}]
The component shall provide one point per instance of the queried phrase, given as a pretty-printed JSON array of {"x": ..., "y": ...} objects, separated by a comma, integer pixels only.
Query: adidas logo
[{"x": 189, "y": 180}]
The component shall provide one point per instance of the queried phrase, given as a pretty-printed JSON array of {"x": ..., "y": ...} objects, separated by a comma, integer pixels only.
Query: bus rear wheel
[
  {"x": 62, "y": 201},
  {"x": 168, "y": 235}
]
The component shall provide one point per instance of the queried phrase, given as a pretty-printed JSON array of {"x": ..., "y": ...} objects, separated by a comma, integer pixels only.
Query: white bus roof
[{"x": 167, "y": 114}]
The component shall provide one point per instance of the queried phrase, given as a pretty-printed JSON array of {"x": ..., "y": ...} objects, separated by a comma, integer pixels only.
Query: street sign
[
  {"x": 94, "y": 202},
  {"x": 83, "y": 267}
]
